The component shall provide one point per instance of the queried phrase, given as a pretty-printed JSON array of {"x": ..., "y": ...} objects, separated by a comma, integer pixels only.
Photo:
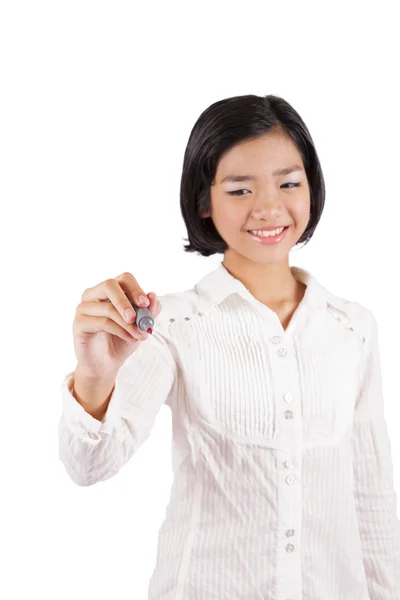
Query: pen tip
[{"x": 149, "y": 330}]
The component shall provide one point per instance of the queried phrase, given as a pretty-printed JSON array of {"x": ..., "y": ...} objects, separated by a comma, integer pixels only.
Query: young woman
[{"x": 283, "y": 476}]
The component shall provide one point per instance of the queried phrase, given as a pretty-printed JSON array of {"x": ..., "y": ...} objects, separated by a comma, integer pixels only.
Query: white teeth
[{"x": 267, "y": 233}]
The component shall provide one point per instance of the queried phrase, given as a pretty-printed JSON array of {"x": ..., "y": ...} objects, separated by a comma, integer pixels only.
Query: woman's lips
[{"x": 269, "y": 240}]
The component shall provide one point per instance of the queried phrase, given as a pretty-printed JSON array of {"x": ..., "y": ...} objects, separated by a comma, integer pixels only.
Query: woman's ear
[{"x": 206, "y": 214}]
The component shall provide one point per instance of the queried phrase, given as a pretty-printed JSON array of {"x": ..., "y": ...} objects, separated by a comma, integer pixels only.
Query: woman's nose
[{"x": 267, "y": 207}]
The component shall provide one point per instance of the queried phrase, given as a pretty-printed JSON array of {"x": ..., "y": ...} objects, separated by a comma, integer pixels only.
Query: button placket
[
  {"x": 286, "y": 383},
  {"x": 287, "y": 374}
]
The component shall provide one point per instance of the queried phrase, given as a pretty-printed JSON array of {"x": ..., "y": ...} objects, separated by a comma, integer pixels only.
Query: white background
[{"x": 97, "y": 103}]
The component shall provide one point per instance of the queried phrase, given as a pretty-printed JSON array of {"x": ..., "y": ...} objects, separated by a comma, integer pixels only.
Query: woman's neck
[{"x": 271, "y": 284}]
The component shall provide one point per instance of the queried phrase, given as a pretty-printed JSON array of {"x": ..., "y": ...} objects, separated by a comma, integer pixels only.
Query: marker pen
[{"x": 144, "y": 320}]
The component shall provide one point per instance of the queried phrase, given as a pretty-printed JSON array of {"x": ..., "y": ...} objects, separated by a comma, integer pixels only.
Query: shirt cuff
[{"x": 81, "y": 423}]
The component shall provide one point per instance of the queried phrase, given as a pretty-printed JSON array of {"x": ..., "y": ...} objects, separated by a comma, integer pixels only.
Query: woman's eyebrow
[{"x": 283, "y": 171}]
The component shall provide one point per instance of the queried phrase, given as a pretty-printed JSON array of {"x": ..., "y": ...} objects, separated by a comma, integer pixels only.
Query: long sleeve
[
  {"x": 93, "y": 450},
  {"x": 373, "y": 479}
]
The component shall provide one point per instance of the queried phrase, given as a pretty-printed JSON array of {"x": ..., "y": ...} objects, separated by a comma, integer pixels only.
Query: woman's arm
[
  {"x": 373, "y": 479},
  {"x": 93, "y": 450}
]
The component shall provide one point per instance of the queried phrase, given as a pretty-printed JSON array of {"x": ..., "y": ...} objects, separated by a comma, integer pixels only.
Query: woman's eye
[
  {"x": 236, "y": 192},
  {"x": 293, "y": 184}
]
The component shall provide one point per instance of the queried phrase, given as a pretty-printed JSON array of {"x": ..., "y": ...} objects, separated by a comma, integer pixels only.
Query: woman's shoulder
[
  {"x": 181, "y": 306},
  {"x": 354, "y": 314}
]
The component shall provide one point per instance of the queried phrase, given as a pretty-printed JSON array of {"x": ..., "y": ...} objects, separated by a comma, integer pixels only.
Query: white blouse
[{"x": 283, "y": 477}]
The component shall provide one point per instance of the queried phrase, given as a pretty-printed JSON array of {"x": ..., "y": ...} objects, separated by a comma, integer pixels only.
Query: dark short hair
[{"x": 221, "y": 126}]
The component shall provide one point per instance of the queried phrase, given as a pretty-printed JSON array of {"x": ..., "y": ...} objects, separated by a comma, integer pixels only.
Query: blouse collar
[{"x": 218, "y": 284}]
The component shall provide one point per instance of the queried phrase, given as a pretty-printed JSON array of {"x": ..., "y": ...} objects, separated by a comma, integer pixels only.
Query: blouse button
[
  {"x": 187, "y": 318},
  {"x": 289, "y": 548},
  {"x": 92, "y": 435},
  {"x": 289, "y": 533},
  {"x": 288, "y": 414},
  {"x": 288, "y": 464},
  {"x": 282, "y": 352},
  {"x": 276, "y": 339},
  {"x": 288, "y": 397},
  {"x": 290, "y": 479},
  {"x": 171, "y": 320}
]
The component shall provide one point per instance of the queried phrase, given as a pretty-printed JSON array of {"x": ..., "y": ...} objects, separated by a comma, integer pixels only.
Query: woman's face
[{"x": 267, "y": 199}]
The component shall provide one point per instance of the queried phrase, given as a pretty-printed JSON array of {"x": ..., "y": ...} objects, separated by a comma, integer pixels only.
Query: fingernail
[
  {"x": 128, "y": 314},
  {"x": 143, "y": 300}
]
